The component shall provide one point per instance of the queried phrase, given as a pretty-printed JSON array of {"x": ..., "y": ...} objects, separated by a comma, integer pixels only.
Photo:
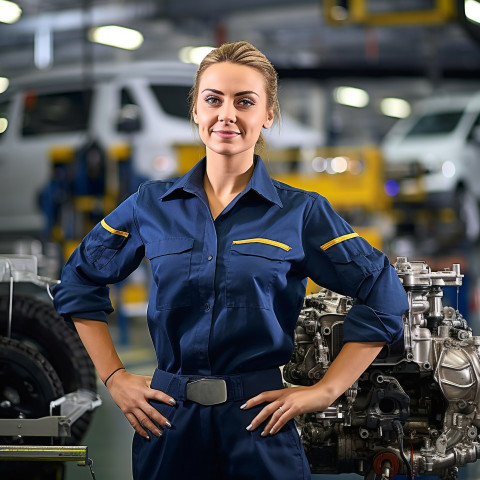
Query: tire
[
  {"x": 28, "y": 383},
  {"x": 36, "y": 324}
]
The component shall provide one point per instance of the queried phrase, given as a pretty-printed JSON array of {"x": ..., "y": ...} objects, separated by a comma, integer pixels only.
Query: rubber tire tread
[
  {"x": 33, "y": 470},
  {"x": 37, "y": 322}
]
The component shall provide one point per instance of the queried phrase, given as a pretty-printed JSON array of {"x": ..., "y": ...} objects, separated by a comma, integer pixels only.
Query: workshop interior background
[{"x": 381, "y": 114}]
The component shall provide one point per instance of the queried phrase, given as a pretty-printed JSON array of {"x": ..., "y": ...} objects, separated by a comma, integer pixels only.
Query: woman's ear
[
  {"x": 194, "y": 114},
  {"x": 270, "y": 117}
]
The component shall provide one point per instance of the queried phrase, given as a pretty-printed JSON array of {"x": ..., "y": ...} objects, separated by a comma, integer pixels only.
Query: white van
[
  {"x": 144, "y": 104},
  {"x": 433, "y": 156}
]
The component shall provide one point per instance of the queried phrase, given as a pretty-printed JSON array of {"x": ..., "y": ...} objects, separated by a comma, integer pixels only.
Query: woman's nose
[{"x": 227, "y": 114}]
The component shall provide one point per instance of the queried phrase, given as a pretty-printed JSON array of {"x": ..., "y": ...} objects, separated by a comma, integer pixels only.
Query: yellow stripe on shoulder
[
  {"x": 112, "y": 230},
  {"x": 265, "y": 241},
  {"x": 333, "y": 242}
]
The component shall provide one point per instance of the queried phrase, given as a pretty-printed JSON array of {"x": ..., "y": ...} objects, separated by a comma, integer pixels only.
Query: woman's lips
[{"x": 226, "y": 133}]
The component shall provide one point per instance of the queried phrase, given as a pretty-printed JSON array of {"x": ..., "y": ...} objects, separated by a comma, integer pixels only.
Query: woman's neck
[{"x": 225, "y": 178}]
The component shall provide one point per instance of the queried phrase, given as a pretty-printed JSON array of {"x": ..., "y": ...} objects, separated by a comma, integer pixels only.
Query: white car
[
  {"x": 142, "y": 103},
  {"x": 433, "y": 156}
]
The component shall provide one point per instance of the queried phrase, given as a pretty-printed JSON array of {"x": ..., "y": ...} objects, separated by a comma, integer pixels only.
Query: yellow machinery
[{"x": 341, "y": 12}]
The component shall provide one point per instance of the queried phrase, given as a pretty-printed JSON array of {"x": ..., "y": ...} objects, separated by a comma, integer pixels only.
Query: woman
[{"x": 230, "y": 251}]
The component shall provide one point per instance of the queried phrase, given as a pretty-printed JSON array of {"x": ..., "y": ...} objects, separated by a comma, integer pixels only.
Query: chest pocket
[
  {"x": 170, "y": 260},
  {"x": 252, "y": 267}
]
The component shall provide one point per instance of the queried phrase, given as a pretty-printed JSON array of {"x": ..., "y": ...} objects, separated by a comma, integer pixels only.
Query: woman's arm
[
  {"x": 353, "y": 359},
  {"x": 130, "y": 392}
]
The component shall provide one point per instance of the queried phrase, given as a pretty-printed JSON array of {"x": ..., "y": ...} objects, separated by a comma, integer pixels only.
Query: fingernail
[
  {"x": 249, "y": 427},
  {"x": 168, "y": 424},
  {"x": 157, "y": 433},
  {"x": 243, "y": 406},
  {"x": 147, "y": 437},
  {"x": 172, "y": 401},
  {"x": 273, "y": 431},
  {"x": 263, "y": 434}
]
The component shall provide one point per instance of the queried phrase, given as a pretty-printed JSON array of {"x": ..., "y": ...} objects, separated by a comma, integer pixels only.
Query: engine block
[{"x": 415, "y": 410}]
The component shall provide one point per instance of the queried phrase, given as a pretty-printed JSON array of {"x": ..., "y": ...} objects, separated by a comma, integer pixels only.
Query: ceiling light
[
  {"x": 319, "y": 164},
  {"x": 116, "y": 36},
  {"x": 339, "y": 164},
  {"x": 352, "y": 97},
  {"x": 9, "y": 12},
  {"x": 472, "y": 10},
  {"x": 395, "y": 107},
  {"x": 194, "y": 54},
  {"x": 4, "y": 82},
  {"x": 3, "y": 124}
]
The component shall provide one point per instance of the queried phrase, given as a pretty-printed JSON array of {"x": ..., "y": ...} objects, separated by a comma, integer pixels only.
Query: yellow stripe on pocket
[
  {"x": 112, "y": 230},
  {"x": 333, "y": 242},
  {"x": 266, "y": 241}
]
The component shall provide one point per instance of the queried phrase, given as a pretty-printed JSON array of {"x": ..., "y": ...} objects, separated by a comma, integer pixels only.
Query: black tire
[
  {"x": 37, "y": 324},
  {"x": 28, "y": 383}
]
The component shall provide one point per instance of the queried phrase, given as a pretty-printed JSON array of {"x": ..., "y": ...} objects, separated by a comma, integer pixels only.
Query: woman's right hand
[{"x": 132, "y": 394}]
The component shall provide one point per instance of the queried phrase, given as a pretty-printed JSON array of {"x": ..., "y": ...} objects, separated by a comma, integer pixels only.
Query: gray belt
[
  {"x": 207, "y": 391},
  {"x": 217, "y": 389}
]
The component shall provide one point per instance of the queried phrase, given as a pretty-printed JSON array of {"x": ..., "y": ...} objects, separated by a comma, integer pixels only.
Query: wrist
[
  {"x": 328, "y": 390},
  {"x": 112, "y": 374}
]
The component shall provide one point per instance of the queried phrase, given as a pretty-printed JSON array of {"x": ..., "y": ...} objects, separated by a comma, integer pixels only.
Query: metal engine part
[{"x": 416, "y": 408}]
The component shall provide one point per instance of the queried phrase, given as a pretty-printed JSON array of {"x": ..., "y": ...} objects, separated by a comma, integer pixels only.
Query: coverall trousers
[{"x": 212, "y": 443}]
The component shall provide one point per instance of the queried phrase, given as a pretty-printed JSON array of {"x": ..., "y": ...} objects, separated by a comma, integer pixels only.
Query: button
[
  {"x": 210, "y": 258},
  {"x": 207, "y": 307}
]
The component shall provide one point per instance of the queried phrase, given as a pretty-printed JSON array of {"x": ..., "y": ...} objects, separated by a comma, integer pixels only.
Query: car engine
[{"x": 415, "y": 409}]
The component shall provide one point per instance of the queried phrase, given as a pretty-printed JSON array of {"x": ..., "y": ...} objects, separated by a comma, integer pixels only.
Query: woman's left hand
[{"x": 285, "y": 404}]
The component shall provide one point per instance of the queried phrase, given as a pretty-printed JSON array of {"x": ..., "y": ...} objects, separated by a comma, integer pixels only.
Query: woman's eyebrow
[
  {"x": 218, "y": 92},
  {"x": 246, "y": 92}
]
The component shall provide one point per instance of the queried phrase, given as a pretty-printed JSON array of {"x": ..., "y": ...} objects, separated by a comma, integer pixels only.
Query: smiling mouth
[{"x": 226, "y": 133}]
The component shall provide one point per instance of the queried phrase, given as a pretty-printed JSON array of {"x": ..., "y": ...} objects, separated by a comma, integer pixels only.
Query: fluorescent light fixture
[
  {"x": 115, "y": 36},
  {"x": 3, "y": 124},
  {"x": 4, "y": 83},
  {"x": 194, "y": 54},
  {"x": 350, "y": 96},
  {"x": 10, "y": 12},
  {"x": 395, "y": 107},
  {"x": 472, "y": 10}
]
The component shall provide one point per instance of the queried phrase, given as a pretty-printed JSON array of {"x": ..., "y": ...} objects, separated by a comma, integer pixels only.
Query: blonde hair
[{"x": 241, "y": 53}]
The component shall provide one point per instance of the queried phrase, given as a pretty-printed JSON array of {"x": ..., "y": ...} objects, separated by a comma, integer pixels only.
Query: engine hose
[{"x": 400, "y": 435}]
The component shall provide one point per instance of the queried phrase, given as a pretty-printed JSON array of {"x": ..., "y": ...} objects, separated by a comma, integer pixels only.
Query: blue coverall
[{"x": 224, "y": 302}]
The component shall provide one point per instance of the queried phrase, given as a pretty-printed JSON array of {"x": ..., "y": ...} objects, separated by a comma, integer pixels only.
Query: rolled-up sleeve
[
  {"x": 107, "y": 255},
  {"x": 340, "y": 260}
]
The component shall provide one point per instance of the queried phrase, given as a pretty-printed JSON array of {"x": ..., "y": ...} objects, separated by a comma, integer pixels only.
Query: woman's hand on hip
[
  {"x": 132, "y": 394},
  {"x": 285, "y": 404}
]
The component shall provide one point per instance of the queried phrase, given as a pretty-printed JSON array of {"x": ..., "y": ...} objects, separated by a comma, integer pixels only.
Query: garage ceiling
[{"x": 294, "y": 35}]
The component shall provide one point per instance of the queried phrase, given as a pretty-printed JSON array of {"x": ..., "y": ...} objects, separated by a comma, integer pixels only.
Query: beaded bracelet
[{"x": 115, "y": 371}]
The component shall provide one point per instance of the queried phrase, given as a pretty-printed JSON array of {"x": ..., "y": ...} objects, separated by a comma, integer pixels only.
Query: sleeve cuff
[
  {"x": 363, "y": 324},
  {"x": 91, "y": 302}
]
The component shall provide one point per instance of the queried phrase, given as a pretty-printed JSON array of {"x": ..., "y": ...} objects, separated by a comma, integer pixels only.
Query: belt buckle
[{"x": 207, "y": 391}]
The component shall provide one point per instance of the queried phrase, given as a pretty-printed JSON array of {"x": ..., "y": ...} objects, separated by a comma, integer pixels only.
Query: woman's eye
[
  {"x": 246, "y": 102},
  {"x": 212, "y": 100}
]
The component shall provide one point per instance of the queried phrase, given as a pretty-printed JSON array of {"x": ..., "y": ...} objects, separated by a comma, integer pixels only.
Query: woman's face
[{"x": 231, "y": 108}]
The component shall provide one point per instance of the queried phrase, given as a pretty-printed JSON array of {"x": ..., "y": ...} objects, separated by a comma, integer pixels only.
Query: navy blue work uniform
[{"x": 224, "y": 303}]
